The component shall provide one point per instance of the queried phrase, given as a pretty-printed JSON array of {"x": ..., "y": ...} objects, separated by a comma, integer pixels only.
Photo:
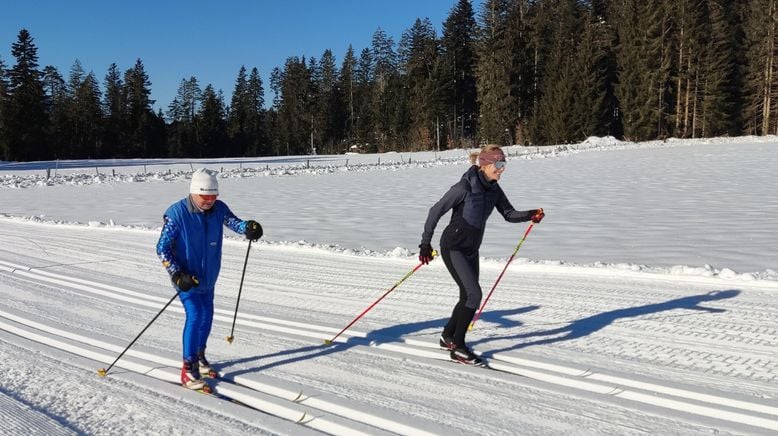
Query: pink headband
[{"x": 489, "y": 157}]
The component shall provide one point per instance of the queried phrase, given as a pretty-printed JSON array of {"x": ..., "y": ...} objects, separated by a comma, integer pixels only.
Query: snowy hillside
[{"x": 643, "y": 304}]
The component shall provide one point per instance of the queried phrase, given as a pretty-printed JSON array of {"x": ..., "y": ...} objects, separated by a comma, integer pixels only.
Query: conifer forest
[{"x": 511, "y": 72}]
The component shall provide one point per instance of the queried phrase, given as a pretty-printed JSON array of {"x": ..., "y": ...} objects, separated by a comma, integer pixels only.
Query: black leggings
[{"x": 464, "y": 270}]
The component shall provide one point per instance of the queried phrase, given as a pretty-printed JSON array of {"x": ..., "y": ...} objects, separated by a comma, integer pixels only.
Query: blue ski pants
[{"x": 199, "y": 318}]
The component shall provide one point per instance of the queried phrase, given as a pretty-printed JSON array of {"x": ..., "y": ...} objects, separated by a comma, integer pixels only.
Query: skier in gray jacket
[{"x": 472, "y": 199}]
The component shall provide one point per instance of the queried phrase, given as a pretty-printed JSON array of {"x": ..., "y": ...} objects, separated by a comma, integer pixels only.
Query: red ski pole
[
  {"x": 478, "y": 315},
  {"x": 410, "y": 273}
]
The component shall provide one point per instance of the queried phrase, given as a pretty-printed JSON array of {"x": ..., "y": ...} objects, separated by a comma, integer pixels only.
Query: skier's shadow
[
  {"x": 383, "y": 335},
  {"x": 587, "y": 326}
]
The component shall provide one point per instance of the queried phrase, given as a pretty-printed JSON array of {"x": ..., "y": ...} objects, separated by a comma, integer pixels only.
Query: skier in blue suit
[{"x": 190, "y": 247}]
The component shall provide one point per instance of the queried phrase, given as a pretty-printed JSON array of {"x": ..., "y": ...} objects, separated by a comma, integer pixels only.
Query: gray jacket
[{"x": 472, "y": 199}]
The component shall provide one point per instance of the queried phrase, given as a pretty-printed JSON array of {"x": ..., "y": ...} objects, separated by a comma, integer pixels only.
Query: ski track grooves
[{"x": 262, "y": 392}]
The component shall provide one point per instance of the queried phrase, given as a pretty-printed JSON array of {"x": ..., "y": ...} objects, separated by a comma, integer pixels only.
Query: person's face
[
  {"x": 204, "y": 202},
  {"x": 495, "y": 170}
]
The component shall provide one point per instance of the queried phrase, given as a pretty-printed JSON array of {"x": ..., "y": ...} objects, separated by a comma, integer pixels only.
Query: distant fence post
[
  {"x": 113, "y": 170},
  {"x": 346, "y": 162},
  {"x": 97, "y": 171},
  {"x": 48, "y": 173}
]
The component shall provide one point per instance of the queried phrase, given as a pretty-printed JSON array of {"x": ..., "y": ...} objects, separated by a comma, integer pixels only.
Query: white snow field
[{"x": 644, "y": 304}]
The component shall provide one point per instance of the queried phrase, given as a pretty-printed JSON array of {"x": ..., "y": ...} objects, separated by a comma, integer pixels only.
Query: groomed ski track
[{"x": 572, "y": 346}]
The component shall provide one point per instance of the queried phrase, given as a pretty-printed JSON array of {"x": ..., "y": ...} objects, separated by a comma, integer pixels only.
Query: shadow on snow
[{"x": 574, "y": 330}]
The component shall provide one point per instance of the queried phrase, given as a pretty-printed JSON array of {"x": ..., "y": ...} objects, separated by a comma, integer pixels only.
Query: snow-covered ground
[{"x": 643, "y": 304}]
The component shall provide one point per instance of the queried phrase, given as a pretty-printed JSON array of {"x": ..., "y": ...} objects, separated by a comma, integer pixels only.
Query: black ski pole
[
  {"x": 102, "y": 372},
  {"x": 240, "y": 289}
]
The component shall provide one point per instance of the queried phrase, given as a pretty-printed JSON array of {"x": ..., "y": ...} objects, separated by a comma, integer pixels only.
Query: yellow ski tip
[
  {"x": 229, "y": 339},
  {"x": 327, "y": 342},
  {"x": 101, "y": 372},
  {"x": 470, "y": 327}
]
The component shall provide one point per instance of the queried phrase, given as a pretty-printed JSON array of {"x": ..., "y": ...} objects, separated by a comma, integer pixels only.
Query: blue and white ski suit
[{"x": 191, "y": 242}]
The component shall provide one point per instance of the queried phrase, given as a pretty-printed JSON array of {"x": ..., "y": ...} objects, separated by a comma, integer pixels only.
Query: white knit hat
[{"x": 204, "y": 182}]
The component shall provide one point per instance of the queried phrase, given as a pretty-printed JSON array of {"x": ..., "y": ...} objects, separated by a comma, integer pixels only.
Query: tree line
[{"x": 513, "y": 72}]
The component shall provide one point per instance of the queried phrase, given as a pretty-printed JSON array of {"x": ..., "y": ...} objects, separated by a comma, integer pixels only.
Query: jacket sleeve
[
  {"x": 165, "y": 245},
  {"x": 453, "y": 197},
  {"x": 234, "y": 223},
  {"x": 509, "y": 213}
]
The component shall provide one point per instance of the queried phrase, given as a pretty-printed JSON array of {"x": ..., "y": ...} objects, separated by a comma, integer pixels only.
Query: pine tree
[
  {"x": 26, "y": 120},
  {"x": 458, "y": 66}
]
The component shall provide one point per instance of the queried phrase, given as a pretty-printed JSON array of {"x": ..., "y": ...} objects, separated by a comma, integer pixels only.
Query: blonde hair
[{"x": 484, "y": 148}]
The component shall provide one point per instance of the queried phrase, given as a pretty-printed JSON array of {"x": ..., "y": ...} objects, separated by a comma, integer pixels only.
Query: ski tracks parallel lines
[
  {"x": 653, "y": 393},
  {"x": 287, "y": 403}
]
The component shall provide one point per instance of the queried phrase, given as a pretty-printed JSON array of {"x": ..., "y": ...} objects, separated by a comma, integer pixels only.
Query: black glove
[
  {"x": 537, "y": 215},
  {"x": 425, "y": 253},
  {"x": 253, "y": 230},
  {"x": 184, "y": 282}
]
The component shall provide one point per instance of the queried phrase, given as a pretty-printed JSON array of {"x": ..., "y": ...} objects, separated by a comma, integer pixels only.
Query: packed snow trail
[{"x": 689, "y": 334}]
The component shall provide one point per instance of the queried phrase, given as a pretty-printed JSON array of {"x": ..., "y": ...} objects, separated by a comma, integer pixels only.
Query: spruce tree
[
  {"x": 255, "y": 130},
  {"x": 365, "y": 115},
  {"x": 493, "y": 74},
  {"x": 529, "y": 48},
  {"x": 347, "y": 92},
  {"x": 26, "y": 120},
  {"x": 236, "y": 122},
  {"x": 384, "y": 87},
  {"x": 720, "y": 96},
  {"x": 141, "y": 120},
  {"x": 459, "y": 60},
  {"x": 114, "y": 111},
  {"x": 57, "y": 107},
  {"x": 419, "y": 59},
  {"x": 184, "y": 131},
  {"x": 329, "y": 111},
  {"x": 761, "y": 33},
  {"x": 213, "y": 124},
  {"x": 3, "y": 104}
]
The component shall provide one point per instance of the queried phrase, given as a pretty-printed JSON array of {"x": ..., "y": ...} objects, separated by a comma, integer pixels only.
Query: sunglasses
[
  {"x": 500, "y": 164},
  {"x": 208, "y": 197}
]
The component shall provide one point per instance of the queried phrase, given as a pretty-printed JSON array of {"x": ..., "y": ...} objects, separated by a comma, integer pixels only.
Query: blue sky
[{"x": 208, "y": 40}]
